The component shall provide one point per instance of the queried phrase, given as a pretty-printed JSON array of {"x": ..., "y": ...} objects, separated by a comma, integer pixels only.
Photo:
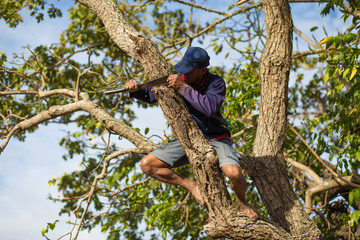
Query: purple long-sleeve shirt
[{"x": 203, "y": 102}]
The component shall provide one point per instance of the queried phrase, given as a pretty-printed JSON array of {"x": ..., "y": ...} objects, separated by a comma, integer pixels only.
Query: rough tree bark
[
  {"x": 227, "y": 220},
  {"x": 272, "y": 180}
]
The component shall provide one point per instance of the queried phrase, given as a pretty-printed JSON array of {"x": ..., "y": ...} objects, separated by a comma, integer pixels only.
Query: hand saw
[{"x": 152, "y": 83}]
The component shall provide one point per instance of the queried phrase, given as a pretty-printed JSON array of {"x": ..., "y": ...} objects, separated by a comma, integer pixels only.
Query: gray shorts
[{"x": 173, "y": 154}]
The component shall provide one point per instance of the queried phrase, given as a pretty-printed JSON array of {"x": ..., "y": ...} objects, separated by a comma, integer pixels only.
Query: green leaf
[
  {"x": 347, "y": 70},
  {"x": 323, "y": 56},
  {"x": 146, "y": 130},
  {"x": 338, "y": 41},
  {"x": 313, "y": 28},
  {"x": 354, "y": 196},
  {"x": 329, "y": 42},
  {"x": 44, "y": 230},
  {"x": 52, "y": 225},
  {"x": 327, "y": 75},
  {"x": 339, "y": 87},
  {"x": 52, "y": 182},
  {"x": 357, "y": 154},
  {"x": 354, "y": 218},
  {"x": 323, "y": 41},
  {"x": 353, "y": 72}
]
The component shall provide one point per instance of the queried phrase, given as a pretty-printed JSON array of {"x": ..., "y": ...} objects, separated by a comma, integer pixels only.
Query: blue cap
[{"x": 194, "y": 58}]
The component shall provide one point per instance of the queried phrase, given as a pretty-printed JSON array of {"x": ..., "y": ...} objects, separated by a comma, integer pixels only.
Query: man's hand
[
  {"x": 175, "y": 81},
  {"x": 132, "y": 86}
]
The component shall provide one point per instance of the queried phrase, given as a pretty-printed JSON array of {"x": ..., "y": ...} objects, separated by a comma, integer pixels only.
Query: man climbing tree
[{"x": 204, "y": 94}]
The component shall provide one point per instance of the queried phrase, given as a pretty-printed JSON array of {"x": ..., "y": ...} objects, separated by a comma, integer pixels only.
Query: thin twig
[
  {"x": 303, "y": 36},
  {"x": 316, "y": 208},
  {"x": 102, "y": 175},
  {"x": 200, "y": 7},
  {"x": 215, "y": 23},
  {"x": 21, "y": 76},
  {"x": 67, "y": 199},
  {"x": 103, "y": 157},
  {"x": 131, "y": 186},
  {"x": 309, "y": 171},
  {"x": 183, "y": 202},
  {"x": 243, "y": 131},
  {"x": 320, "y": 160},
  {"x": 75, "y": 52},
  {"x": 63, "y": 60},
  {"x": 326, "y": 185}
]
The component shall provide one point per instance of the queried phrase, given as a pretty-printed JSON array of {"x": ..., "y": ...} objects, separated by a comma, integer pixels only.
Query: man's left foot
[{"x": 250, "y": 211}]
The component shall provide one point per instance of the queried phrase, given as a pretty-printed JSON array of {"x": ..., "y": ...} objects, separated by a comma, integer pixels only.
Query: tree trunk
[
  {"x": 227, "y": 220},
  {"x": 268, "y": 169}
]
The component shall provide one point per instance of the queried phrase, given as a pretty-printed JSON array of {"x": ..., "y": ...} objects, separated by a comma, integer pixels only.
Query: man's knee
[
  {"x": 149, "y": 164},
  {"x": 146, "y": 164},
  {"x": 233, "y": 172}
]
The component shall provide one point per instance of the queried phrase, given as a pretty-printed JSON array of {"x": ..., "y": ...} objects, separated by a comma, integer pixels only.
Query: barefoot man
[{"x": 204, "y": 93}]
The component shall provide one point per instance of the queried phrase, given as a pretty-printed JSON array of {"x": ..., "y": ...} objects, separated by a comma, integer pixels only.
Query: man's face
[{"x": 195, "y": 76}]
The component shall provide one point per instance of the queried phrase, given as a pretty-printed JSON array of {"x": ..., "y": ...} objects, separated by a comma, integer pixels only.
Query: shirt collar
[{"x": 201, "y": 83}]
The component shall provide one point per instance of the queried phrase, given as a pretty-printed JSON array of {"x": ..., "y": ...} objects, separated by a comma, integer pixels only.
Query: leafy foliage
[
  {"x": 9, "y": 10},
  {"x": 324, "y": 108}
]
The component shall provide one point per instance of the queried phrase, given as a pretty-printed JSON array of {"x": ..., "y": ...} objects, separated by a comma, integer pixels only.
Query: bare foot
[
  {"x": 197, "y": 195},
  {"x": 249, "y": 210}
]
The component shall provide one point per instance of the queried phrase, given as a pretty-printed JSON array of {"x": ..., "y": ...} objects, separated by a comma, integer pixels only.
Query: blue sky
[{"x": 26, "y": 167}]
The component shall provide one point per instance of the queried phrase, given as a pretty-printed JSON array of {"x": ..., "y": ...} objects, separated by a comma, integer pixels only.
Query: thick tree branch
[
  {"x": 40, "y": 93},
  {"x": 18, "y": 92},
  {"x": 53, "y": 112},
  {"x": 274, "y": 67},
  {"x": 96, "y": 111}
]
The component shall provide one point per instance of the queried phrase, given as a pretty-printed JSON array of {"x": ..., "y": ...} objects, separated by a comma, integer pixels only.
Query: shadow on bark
[{"x": 271, "y": 180}]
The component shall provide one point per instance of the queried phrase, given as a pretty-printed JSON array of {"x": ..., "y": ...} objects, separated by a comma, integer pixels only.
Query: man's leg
[
  {"x": 238, "y": 184},
  {"x": 155, "y": 168}
]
